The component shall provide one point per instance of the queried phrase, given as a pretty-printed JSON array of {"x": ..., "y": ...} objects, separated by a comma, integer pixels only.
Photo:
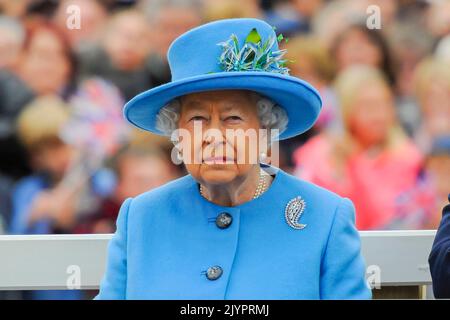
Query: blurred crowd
[{"x": 69, "y": 159}]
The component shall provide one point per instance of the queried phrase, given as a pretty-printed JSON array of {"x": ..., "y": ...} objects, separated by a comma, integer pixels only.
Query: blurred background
[{"x": 69, "y": 159}]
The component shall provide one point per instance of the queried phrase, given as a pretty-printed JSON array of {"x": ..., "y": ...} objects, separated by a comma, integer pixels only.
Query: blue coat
[
  {"x": 439, "y": 259},
  {"x": 167, "y": 239}
]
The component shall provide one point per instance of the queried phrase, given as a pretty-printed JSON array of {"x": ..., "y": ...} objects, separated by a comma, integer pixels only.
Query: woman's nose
[
  {"x": 208, "y": 138},
  {"x": 213, "y": 136},
  {"x": 213, "y": 131}
]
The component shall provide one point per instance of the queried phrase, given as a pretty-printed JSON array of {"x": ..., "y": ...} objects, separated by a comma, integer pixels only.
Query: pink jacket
[{"x": 372, "y": 183}]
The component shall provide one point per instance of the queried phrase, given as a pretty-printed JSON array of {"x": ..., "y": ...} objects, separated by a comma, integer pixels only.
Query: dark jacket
[
  {"x": 14, "y": 96},
  {"x": 440, "y": 257}
]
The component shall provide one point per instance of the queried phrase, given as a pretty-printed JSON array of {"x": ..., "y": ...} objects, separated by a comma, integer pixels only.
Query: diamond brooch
[{"x": 293, "y": 212}]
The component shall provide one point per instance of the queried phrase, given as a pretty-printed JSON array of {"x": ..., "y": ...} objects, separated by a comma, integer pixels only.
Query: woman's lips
[{"x": 218, "y": 160}]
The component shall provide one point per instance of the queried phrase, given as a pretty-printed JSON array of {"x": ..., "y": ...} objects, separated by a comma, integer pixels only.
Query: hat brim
[{"x": 300, "y": 100}]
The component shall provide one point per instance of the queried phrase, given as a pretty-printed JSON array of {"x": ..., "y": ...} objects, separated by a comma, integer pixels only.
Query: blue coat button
[
  {"x": 224, "y": 220},
  {"x": 214, "y": 273}
]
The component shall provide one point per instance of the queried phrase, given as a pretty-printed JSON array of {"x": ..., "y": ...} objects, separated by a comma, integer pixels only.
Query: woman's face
[
  {"x": 45, "y": 67},
  {"x": 140, "y": 173},
  {"x": 127, "y": 42},
  {"x": 170, "y": 23},
  {"x": 435, "y": 104},
  {"x": 215, "y": 151},
  {"x": 372, "y": 114},
  {"x": 356, "y": 48}
]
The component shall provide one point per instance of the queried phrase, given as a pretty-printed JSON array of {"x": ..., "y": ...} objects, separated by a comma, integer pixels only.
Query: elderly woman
[{"x": 234, "y": 227}]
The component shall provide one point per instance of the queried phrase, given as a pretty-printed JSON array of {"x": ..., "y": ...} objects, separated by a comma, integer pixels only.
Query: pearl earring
[
  {"x": 178, "y": 150},
  {"x": 180, "y": 155}
]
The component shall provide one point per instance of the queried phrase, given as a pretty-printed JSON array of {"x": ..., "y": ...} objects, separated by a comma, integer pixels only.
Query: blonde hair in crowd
[
  {"x": 315, "y": 51},
  {"x": 429, "y": 71},
  {"x": 41, "y": 121},
  {"x": 348, "y": 83}
]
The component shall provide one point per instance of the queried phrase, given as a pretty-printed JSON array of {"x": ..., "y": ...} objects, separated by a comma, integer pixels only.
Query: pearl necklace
[{"x": 260, "y": 189}]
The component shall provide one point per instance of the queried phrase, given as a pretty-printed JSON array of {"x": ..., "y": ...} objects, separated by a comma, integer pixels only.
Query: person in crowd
[
  {"x": 336, "y": 16},
  {"x": 92, "y": 20},
  {"x": 310, "y": 60},
  {"x": 38, "y": 205},
  {"x": 372, "y": 162},
  {"x": 122, "y": 56},
  {"x": 66, "y": 151},
  {"x": 41, "y": 203},
  {"x": 47, "y": 64},
  {"x": 409, "y": 43},
  {"x": 137, "y": 169},
  {"x": 359, "y": 45},
  {"x": 432, "y": 90},
  {"x": 168, "y": 19}
]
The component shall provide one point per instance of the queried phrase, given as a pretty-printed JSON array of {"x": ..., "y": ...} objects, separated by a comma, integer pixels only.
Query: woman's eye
[
  {"x": 233, "y": 118},
  {"x": 197, "y": 118}
]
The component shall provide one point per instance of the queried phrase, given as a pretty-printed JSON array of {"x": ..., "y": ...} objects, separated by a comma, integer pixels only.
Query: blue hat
[{"x": 230, "y": 54}]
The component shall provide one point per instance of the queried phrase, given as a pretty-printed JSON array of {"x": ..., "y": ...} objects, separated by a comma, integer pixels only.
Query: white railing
[{"x": 398, "y": 258}]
